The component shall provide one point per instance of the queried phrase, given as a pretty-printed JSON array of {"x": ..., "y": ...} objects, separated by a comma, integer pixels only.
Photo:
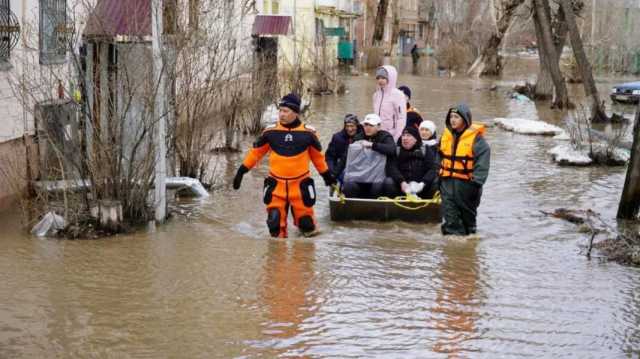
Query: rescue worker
[
  {"x": 390, "y": 103},
  {"x": 412, "y": 163},
  {"x": 413, "y": 116},
  {"x": 291, "y": 145},
  {"x": 336, "y": 154},
  {"x": 464, "y": 158},
  {"x": 379, "y": 141}
]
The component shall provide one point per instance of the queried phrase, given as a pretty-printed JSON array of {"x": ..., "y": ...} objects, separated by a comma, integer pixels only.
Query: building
[{"x": 33, "y": 52}]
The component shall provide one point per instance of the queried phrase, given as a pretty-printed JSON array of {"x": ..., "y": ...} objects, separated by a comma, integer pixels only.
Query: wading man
[
  {"x": 291, "y": 146},
  {"x": 464, "y": 158}
]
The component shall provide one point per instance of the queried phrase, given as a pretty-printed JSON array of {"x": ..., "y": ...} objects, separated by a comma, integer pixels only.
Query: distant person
[
  {"x": 372, "y": 139},
  {"x": 415, "y": 54},
  {"x": 464, "y": 158},
  {"x": 412, "y": 163},
  {"x": 429, "y": 136},
  {"x": 413, "y": 116},
  {"x": 390, "y": 103},
  {"x": 336, "y": 154}
]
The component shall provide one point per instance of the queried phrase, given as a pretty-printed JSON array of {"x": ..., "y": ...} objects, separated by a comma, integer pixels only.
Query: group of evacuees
[{"x": 405, "y": 149}]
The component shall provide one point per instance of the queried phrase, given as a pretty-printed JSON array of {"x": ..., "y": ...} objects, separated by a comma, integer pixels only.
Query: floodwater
[{"x": 210, "y": 284}]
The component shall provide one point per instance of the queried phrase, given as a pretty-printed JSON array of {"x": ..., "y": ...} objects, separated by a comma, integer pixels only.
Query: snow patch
[
  {"x": 566, "y": 155},
  {"x": 528, "y": 127}
]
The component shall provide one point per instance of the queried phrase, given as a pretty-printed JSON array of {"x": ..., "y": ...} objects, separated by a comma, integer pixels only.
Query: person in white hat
[{"x": 429, "y": 136}]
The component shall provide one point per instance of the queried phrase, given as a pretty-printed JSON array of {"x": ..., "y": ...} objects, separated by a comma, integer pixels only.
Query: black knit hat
[
  {"x": 413, "y": 132},
  {"x": 291, "y": 101},
  {"x": 351, "y": 118},
  {"x": 406, "y": 90}
]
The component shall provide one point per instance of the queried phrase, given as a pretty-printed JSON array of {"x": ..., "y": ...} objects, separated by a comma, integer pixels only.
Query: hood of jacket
[
  {"x": 393, "y": 77},
  {"x": 464, "y": 111}
]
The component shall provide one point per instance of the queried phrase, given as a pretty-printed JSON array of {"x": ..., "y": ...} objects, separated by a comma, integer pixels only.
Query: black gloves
[
  {"x": 237, "y": 180},
  {"x": 328, "y": 178}
]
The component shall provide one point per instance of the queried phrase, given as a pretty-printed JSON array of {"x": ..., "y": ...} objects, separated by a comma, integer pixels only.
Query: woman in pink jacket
[{"x": 389, "y": 102}]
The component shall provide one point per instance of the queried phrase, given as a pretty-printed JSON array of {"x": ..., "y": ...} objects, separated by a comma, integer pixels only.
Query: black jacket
[
  {"x": 415, "y": 164},
  {"x": 336, "y": 154},
  {"x": 382, "y": 142}
]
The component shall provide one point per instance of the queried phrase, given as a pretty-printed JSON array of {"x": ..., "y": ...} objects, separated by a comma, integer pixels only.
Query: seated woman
[{"x": 413, "y": 163}]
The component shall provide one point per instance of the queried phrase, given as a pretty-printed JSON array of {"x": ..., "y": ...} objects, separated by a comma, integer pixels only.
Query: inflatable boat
[{"x": 409, "y": 209}]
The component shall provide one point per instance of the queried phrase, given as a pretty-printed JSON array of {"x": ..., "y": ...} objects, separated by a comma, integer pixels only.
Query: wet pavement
[{"x": 211, "y": 284}]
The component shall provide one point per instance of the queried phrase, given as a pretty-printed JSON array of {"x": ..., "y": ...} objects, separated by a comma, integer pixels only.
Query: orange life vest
[{"x": 457, "y": 154}]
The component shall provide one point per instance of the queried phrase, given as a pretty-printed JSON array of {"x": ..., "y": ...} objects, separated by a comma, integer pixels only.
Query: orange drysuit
[{"x": 289, "y": 184}]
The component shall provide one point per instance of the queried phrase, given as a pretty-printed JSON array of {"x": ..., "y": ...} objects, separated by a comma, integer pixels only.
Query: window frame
[
  {"x": 55, "y": 52},
  {"x": 4, "y": 60}
]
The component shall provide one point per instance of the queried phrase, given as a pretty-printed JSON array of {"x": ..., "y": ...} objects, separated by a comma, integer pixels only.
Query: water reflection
[
  {"x": 457, "y": 300},
  {"x": 285, "y": 288}
]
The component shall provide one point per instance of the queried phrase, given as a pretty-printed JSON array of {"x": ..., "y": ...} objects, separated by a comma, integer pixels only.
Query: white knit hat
[{"x": 429, "y": 125}]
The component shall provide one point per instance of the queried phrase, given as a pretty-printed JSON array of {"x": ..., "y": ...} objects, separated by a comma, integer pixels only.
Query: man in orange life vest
[
  {"x": 291, "y": 145},
  {"x": 464, "y": 158}
]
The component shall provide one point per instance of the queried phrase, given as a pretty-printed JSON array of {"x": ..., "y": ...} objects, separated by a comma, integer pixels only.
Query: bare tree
[
  {"x": 381, "y": 19},
  {"x": 541, "y": 16},
  {"x": 489, "y": 63},
  {"x": 544, "y": 86},
  {"x": 630, "y": 199},
  {"x": 597, "y": 110}
]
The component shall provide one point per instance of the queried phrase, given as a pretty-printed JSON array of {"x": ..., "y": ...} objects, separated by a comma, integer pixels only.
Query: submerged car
[{"x": 627, "y": 92}]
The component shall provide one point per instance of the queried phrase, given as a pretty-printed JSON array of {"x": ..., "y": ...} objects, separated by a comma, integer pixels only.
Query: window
[
  {"x": 53, "y": 31},
  {"x": 7, "y": 31},
  {"x": 275, "y": 7}
]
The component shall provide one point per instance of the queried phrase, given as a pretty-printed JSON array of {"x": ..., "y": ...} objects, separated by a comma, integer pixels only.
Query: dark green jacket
[{"x": 481, "y": 149}]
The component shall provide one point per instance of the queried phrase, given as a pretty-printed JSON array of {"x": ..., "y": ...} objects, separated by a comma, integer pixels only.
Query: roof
[
  {"x": 112, "y": 18},
  {"x": 271, "y": 25}
]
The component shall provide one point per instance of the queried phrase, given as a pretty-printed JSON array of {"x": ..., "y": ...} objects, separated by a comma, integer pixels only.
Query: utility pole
[{"x": 159, "y": 112}]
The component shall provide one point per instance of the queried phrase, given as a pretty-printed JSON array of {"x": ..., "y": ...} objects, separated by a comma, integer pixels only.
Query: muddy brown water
[{"x": 210, "y": 284}]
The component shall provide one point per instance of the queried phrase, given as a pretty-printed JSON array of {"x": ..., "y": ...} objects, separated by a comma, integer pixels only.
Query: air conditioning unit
[{"x": 59, "y": 139}]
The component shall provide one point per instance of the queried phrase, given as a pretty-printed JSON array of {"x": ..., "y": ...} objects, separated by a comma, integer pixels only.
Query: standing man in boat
[
  {"x": 292, "y": 145},
  {"x": 390, "y": 103},
  {"x": 464, "y": 158}
]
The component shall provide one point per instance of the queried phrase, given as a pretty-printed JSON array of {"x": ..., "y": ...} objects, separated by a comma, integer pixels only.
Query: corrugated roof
[
  {"x": 271, "y": 25},
  {"x": 120, "y": 18}
]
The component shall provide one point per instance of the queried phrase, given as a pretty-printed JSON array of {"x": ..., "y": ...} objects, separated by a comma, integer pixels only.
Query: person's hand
[
  {"x": 404, "y": 186},
  {"x": 329, "y": 179},
  {"x": 237, "y": 180},
  {"x": 367, "y": 144}
]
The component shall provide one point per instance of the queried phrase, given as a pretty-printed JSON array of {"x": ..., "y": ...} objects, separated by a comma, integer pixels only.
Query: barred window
[
  {"x": 5, "y": 40},
  {"x": 53, "y": 31}
]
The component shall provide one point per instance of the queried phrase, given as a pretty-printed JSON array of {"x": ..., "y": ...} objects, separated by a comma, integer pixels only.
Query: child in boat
[
  {"x": 429, "y": 136},
  {"x": 413, "y": 116}
]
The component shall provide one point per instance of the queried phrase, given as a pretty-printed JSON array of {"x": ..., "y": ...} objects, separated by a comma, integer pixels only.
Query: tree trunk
[
  {"x": 381, "y": 17},
  {"x": 597, "y": 110},
  {"x": 544, "y": 84},
  {"x": 395, "y": 27},
  {"x": 630, "y": 201},
  {"x": 541, "y": 15},
  {"x": 489, "y": 63}
]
